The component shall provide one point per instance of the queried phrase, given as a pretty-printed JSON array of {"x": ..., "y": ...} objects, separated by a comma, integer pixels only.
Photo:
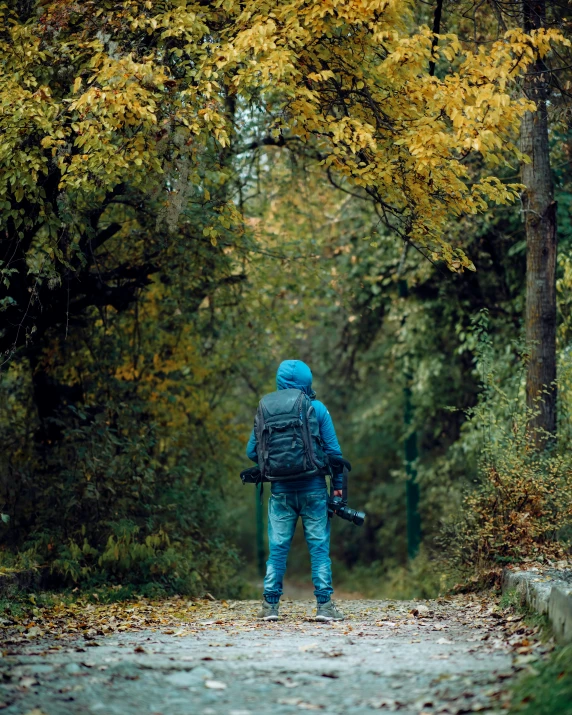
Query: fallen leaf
[
  {"x": 215, "y": 685},
  {"x": 384, "y": 703},
  {"x": 27, "y": 682},
  {"x": 286, "y": 682},
  {"x": 310, "y": 706}
]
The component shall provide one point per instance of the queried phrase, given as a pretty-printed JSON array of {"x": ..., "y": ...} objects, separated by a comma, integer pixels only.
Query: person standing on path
[{"x": 292, "y": 438}]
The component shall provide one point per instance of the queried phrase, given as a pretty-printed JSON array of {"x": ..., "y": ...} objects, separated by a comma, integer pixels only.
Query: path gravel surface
[{"x": 446, "y": 656}]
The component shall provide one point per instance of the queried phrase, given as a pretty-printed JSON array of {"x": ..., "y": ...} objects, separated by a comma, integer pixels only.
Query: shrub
[
  {"x": 116, "y": 500},
  {"x": 516, "y": 512},
  {"x": 521, "y": 504}
]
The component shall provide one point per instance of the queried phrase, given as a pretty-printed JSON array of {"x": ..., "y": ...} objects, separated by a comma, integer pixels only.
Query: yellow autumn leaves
[{"x": 349, "y": 77}]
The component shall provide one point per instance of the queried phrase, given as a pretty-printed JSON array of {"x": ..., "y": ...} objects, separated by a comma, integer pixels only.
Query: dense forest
[{"x": 191, "y": 192}]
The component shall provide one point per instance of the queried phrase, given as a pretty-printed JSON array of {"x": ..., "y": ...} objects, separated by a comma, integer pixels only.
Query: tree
[
  {"x": 135, "y": 291},
  {"x": 540, "y": 222},
  {"x": 115, "y": 229},
  {"x": 545, "y": 79},
  {"x": 103, "y": 129}
]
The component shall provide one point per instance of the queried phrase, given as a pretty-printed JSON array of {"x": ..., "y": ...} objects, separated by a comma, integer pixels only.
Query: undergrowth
[
  {"x": 520, "y": 508},
  {"x": 422, "y": 578}
]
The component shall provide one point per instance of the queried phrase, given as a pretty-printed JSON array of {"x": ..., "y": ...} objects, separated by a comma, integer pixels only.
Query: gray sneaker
[
  {"x": 268, "y": 612},
  {"x": 328, "y": 612}
]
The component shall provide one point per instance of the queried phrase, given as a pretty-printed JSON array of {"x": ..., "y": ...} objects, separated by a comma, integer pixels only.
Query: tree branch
[{"x": 436, "y": 30}]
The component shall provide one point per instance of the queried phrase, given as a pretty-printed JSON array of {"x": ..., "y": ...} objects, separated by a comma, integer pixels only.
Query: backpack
[{"x": 288, "y": 436}]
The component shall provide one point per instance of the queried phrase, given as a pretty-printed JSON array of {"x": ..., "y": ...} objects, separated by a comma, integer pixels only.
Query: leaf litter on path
[{"x": 386, "y": 655}]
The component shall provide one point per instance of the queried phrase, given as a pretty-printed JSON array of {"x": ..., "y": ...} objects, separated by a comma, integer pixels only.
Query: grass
[
  {"x": 422, "y": 578},
  {"x": 548, "y": 691},
  {"x": 21, "y": 604},
  {"x": 547, "y": 688},
  {"x": 532, "y": 619}
]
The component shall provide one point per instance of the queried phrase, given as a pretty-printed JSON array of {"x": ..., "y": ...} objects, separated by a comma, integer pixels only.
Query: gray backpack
[{"x": 288, "y": 436}]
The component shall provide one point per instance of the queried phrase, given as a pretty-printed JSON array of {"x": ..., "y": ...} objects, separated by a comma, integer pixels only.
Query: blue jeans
[{"x": 283, "y": 513}]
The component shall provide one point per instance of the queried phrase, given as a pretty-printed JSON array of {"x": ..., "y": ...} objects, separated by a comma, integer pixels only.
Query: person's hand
[{"x": 338, "y": 492}]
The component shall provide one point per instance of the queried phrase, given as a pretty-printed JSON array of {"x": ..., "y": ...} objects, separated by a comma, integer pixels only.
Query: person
[{"x": 305, "y": 497}]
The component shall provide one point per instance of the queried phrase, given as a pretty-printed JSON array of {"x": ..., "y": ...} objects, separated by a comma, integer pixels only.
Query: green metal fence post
[
  {"x": 412, "y": 487},
  {"x": 411, "y": 454},
  {"x": 260, "y": 554}
]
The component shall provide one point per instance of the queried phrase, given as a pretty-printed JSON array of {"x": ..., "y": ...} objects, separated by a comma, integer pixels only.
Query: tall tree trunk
[{"x": 540, "y": 223}]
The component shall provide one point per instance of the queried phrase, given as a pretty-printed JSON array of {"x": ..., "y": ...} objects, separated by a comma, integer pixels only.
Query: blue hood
[{"x": 294, "y": 374}]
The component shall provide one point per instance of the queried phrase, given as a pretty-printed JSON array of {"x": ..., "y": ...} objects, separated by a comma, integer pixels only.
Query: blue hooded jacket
[{"x": 296, "y": 374}]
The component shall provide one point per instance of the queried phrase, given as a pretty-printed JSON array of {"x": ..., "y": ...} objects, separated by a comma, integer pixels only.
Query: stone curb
[{"x": 546, "y": 592}]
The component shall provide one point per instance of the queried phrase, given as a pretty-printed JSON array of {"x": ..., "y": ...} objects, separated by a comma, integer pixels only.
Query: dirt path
[{"x": 446, "y": 656}]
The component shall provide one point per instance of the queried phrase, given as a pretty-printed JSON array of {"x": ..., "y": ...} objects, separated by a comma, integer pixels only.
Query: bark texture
[{"x": 540, "y": 222}]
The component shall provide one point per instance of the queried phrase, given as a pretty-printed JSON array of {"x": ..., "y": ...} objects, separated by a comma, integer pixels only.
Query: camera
[
  {"x": 339, "y": 505},
  {"x": 340, "y": 508}
]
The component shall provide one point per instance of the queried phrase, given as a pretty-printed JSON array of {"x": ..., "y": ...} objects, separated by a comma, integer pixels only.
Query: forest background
[{"x": 192, "y": 192}]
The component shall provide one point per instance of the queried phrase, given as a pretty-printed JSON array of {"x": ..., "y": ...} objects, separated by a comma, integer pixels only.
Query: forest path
[{"x": 445, "y": 656}]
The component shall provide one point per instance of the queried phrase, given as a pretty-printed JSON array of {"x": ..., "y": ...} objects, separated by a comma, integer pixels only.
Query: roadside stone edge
[{"x": 546, "y": 594}]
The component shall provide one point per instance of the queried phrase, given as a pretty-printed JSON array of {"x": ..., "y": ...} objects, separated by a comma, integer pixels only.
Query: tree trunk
[{"x": 540, "y": 223}]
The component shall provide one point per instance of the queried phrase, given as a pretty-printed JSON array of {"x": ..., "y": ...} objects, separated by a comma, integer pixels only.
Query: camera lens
[
  {"x": 358, "y": 517},
  {"x": 335, "y": 506}
]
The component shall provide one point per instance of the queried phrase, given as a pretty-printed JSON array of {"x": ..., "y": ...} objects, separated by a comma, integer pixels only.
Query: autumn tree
[
  {"x": 103, "y": 127},
  {"x": 358, "y": 82},
  {"x": 116, "y": 228},
  {"x": 355, "y": 82},
  {"x": 545, "y": 83}
]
